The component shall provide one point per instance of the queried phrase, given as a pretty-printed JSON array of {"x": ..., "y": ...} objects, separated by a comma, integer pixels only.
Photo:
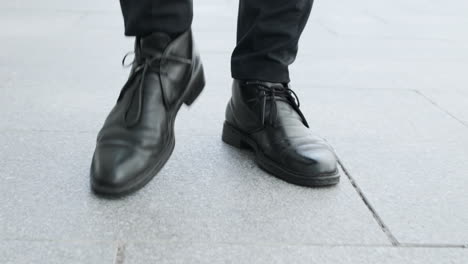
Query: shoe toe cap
[
  {"x": 312, "y": 160},
  {"x": 115, "y": 167}
]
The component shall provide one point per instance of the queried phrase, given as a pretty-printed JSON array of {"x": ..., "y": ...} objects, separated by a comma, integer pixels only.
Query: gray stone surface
[
  {"x": 224, "y": 198},
  {"x": 163, "y": 252},
  {"x": 48, "y": 252},
  {"x": 452, "y": 101},
  {"x": 384, "y": 81},
  {"x": 407, "y": 156}
]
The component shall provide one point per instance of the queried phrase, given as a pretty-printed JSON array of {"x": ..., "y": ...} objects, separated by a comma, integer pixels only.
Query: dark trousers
[{"x": 268, "y": 31}]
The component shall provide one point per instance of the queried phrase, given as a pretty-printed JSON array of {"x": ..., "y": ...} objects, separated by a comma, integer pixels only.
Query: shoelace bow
[
  {"x": 271, "y": 93},
  {"x": 147, "y": 64}
]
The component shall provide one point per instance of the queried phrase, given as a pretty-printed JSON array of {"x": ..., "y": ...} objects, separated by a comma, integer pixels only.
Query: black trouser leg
[
  {"x": 267, "y": 37},
  {"x": 143, "y": 17}
]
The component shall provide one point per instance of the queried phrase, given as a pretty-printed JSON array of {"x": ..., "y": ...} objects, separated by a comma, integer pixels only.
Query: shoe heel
[
  {"x": 195, "y": 87},
  {"x": 232, "y": 137}
]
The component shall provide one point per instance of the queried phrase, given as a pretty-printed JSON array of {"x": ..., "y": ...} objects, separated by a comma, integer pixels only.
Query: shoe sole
[
  {"x": 194, "y": 89},
  {"x": 236, "y": 138}
]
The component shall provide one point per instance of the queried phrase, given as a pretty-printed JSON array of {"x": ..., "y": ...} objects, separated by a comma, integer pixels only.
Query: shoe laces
[
  {"x": 275, "y": 93},
  {"x": 148, "y": 63}
]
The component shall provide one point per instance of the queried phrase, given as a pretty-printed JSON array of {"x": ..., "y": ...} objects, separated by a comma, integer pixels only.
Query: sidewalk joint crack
[
  {"x": 434, "y": 103},
  {"x": 376, "y": 216}
]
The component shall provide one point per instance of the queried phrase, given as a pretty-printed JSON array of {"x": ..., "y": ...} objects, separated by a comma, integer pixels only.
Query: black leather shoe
[
  {"x": 138, "y": 135},
  {"x": 266, "y": 118}
]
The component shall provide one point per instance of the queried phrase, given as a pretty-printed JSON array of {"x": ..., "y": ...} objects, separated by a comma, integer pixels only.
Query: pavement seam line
[
  {"x": 376, "y": 216},
  {"x": 261, "y": 244},
  {"x": 434, "y": 103},
  {"x": 120, "y": 253},
  {"x": 417, "y": 245}
]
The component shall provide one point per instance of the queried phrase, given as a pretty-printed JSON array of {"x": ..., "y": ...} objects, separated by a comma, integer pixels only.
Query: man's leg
[
  {"x": 143, "y": 17},
  {"x": 263, "y": 113},
  {"x": 137, "y": 137},
  {"x": 268, "y": 32}
]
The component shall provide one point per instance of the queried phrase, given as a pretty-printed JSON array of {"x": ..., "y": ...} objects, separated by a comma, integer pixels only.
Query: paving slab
[
  {"x": 49, "y": 252},
  {"x": 163, "y": 252},
  {"x": 14, "y": 23},
  {"x": 428, "y": 28},
  {"x": 382, "y": 73},
  {"x": 428, "y": 20},
  {"x": 407, "y": 156},
  {"x": 208, "y": 191},
  {"x": 58, "y": 5},
  {"x": 452, "y": 101}
]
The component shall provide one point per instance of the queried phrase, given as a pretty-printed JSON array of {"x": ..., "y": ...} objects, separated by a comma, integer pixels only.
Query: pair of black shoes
[{"x": 138, "y": 135}]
